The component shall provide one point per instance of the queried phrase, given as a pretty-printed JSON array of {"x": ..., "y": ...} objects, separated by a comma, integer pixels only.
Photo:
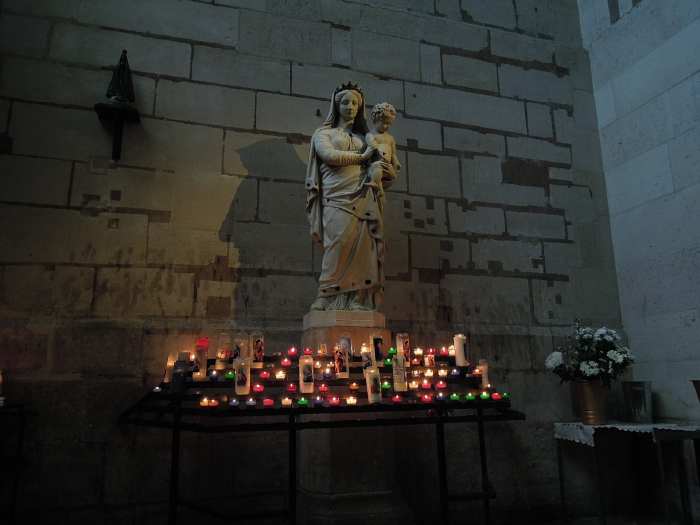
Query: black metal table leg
[
  {"x": 683, "y": 485},
  {"x": 292, "y": 504},
  {"x": 442, "y": 470},
  {"x": 600, "y": 481},
  {"x": 562, "y": 492},
  {"x": 18, "y": 469},
  {"x": 485, "y": 483},
  {"x": 662, "y": 480},
  {"x": 174, "y": 465}
]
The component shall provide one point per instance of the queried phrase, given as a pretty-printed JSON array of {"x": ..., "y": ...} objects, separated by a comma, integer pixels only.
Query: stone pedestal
[
  {"x": 348, "y": 475},
  {"x": 328, "y": 326}
]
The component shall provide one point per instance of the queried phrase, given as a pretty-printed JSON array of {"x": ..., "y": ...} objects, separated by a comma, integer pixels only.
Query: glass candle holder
[
  {"x": 286, "y": 362},
  {"x": 470, "y": 396},
  {"x": 351, "y": 400},
  {"x": 264, "y": 374},
  {"x": 233, "y": 402},
  {"x": 268, "y": 402},
  {"x": 308, "y": 351},
  {"x": 280, "y": 374},
  {"x": 291, "y": 387},
  {"x": 334, "y": 401},
  {"x": 258, "y": 388},
  {"x": 292, "y": 351},
  {"x": 303, "y": 402},
  {"x": 454, "y": 372},
  {"x": 485, "y": 395},
  {"x": 429, "y": 372},
  {"x": 318, "y": 401},
  {"x": 286, "y": 401},
  {"x": 496, "y": 396},
  {"x": 230, "y": 375},
  {"x": 354, "y": 387},
  {"x": 323, "y": 388},
  {"x": 443, "y": 372},
  {"x": 454, "y": 396},
  {"x": 251, "y": 402},
  {"x": 441, "y": 385},
  {"x": 413, "y": 385},
  {"x": 426, "y": 398},
  {"x": 386, "y": 385},
  {"x": 426, "y": 385},
  {"x": 396, "y": 398}
]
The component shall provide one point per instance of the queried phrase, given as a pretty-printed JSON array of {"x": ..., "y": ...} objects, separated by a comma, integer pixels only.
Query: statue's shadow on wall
[{"x": 261, "y": 250}]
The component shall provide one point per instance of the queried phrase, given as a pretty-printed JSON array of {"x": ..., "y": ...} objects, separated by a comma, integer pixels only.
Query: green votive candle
[
  {"x": 392, "y": 351},
  {"x": 485, "y": 395},
  {"x": 387, "y": 361},
  {"x": 470, "y": 397},
  {"x": 230, "y": 375},
  {"x": 303, "y": 402},
  {"x": 454, "y": 396},
  {"x": 386, "y": 385}
]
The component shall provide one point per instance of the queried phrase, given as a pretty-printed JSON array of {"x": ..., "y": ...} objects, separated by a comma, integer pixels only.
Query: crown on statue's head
[{"x": 348, "y": 86}]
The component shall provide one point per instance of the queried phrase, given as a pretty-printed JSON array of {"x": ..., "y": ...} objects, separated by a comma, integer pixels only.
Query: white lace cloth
[{"x": 585, "y": 434}]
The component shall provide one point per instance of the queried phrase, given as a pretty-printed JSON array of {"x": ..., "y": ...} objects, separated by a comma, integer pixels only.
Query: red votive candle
[
  {"x": 425, "y": 384},
  {"x": 426, "y": 398},
  {"x": 323, "y": 387},
  {"x": 396, "y": 398},
  {"x": 286, "y": 362},
  {"x": 291, "y": 387},
  {"x": 268, "y": 402},
  {"x": 444, "y": 352},
  {"x": 264, "y": 375},
  {"x": 292, "y": 352},
  {"x": 441, "y": 385},
  {"x": 496, "y": 396},
  {"x": 258, "y": 388},
  {"x": 334, "y": 401},
  {"x": 308, "y": 351}
]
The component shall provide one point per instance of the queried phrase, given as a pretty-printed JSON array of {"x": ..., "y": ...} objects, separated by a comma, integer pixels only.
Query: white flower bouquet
[{"x": 591, "y": 354}]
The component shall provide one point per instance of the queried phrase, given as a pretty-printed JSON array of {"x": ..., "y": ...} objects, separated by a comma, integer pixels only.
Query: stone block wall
[
  {"x": 498, "y": 225},
  {"x": 646, "y": 78}
]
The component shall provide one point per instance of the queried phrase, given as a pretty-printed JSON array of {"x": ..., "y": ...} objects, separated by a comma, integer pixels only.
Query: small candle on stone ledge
[
  {"x": 429, "y": 372},
  {"x": 396, "y": 398},
  {"x": 251, "y": 402},
  {"x": 413, "y": 385},
  {"x": 425, "y": 384},
  {"x": 455, "y": 372},
  {"x": 485, "y": 395},
  {"x": 156, "y": 389},
  {"x": 415, "y": 361},
  {"x": 387, "y": 361},
  {"x": 233, "y": 402},
  {"x": 354, "y": 387},
  {"x": 317, "y": 364},
  {"x": 303, "y": 402},
  {"x": 213, "y": 402},
  {"x": 291, "y": 387},
  {"x": 268, "y": 402},
  {"x": 418, "y": 352},
  {"x": 441, "y": 396},
  {"x": 470, "y": 396},
  {"x": 280, "y": 374},
  {"x": 505, "y": 395},
  {"x": 286, "y": 362},
  {"x": 318, "y": 401},
  {"x": 258, "y": 388},
  {"x": 443, "y": 372},
  {"x": 230, "y": 375},
  {"x": 454, "y": 396},
  {"x": 392, "y": 351},
  {"x": 327, "y": 373},
  {"x": 334, "y": 401},
  {"x": 308, "y": 351},
  {"x": 213, "y": 376},
  {"x": 444, "y": 352},
  {"x": 386, "y": 385},
  {"x": 426, "y": 398},
  {"x": 292, "y": 352},
  {"x": 264, "y": 374},
  {"x": 416, "y": 373},
  {"x": 204, "y": 402},
  {"x": 496, "y": 396},
  {"x": 286, "y": 401},
  {"x": 351, "y": 400},
  {"x": 323, "y": 387}
]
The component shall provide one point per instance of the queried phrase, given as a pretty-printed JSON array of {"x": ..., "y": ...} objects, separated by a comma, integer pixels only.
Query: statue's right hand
[{"x": 369, "y": 153}]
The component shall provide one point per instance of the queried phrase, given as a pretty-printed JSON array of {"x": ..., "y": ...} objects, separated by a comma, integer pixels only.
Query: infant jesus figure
[{"x": 382, "y": 116}]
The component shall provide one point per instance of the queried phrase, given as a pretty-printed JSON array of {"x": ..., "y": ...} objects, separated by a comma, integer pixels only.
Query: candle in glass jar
[
  {"x": 396, "y": 398},
  {"x": 318, "y": 401},
  {"x": 387, "y": 361},
  {"x": 418, "y": 352},
  {"x": 268, "y": 402},
  {"x": 444, "y": 352},
  {"x": 292, "y": 352},
  {"x": 484, "y": 367},
  {"x": 455, "y": 372},
  {"x": 454, "y": 396},
  {"x": 317, "y": 364},
  {"x": 443, "y": 372},
  {"x": 213, "y": 402},
  {"x": 230, "y": 375},
  {"x": 306, "y": 374},
  {"x": 441, "y": 385},
  {"x": 354, "y": 386},
  {"x": 416, "y": 372},
  {"x": 286, "y": 362},
  {"x": 291, "y": 387},
  {"x": 425, "y": 384},
  {"x": 415, "y": 361},
  {"x": 386, "y": 385},
  {"x": 213, "y": 376},
  {"x": 485, "y": 395},
  {"x": 351, "y": 400},
  {"x": 429, "y": 372},
  {"x": 441, "y": 396},
  {"x": 157, "y": 389},
  {"x": 426, "y": 398},
  {"x": 327, "y": 373},
  {"x": 496, "y": 396},
  {"x": 251, "y": 402},
  {"x": 280, "y": 374},
  {"x": 334, "y": 401},
  {"x": 233, "y": 402},
  {"x": 413, "y": 385},
  {"x": 470, "y": 396},
  {"x": 308, "y": 351},
  {"x": 264, "y": 375},
  {"x": 303, "y": 402},
  {"x": 374, "y": 389},
  {"x": 258, "y": 388},
  {"x": 204, "y": 402},
  {"x": 322, "y": 349},
  {"x": 323, "y": 387},
  {"x": 286, "y": 401}
]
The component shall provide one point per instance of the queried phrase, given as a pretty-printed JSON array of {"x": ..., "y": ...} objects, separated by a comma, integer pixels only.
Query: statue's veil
[{"x": 313, "y": 173}]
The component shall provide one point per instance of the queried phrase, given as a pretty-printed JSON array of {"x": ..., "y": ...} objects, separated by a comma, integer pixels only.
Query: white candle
[{"x": 460, "y": 342}]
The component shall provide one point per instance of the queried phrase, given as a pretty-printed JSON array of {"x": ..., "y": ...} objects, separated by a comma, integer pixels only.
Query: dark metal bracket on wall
[{"x": 118, "y": 110}]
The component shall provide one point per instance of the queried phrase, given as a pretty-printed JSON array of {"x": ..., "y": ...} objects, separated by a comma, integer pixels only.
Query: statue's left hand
[{"x": 388, "y": 171}]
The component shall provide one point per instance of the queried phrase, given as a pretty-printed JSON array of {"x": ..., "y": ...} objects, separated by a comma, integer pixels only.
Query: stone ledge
[{"x": 331, "y": 318}]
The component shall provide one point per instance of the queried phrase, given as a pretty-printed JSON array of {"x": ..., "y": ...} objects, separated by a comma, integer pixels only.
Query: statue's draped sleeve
[{"x": 322, "y": 151}]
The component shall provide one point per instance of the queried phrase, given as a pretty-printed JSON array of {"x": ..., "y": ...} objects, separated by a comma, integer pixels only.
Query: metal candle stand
[{"x": 180, "y": 411}]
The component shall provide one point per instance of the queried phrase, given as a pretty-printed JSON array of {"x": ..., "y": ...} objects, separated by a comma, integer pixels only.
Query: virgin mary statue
[{"x": 345, "y": 210}]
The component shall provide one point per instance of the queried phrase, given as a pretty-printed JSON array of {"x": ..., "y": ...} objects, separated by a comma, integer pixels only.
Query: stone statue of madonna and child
[{"x": 350, "y": 164}]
